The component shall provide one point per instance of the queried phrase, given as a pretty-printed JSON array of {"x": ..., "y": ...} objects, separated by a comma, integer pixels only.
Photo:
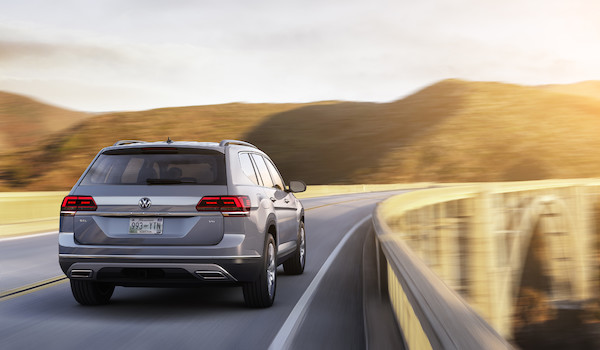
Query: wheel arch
[{"x": 271, "y": 228}]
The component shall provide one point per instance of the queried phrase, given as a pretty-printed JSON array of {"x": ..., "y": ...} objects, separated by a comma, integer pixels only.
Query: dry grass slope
[
  {"x": 505, "y": 132},
  {"x": 589, "y": 88},
  {"x": 451, "y": 131},
  {"x": 24, "y": 121},
  {"x": 57, "y": 163}
]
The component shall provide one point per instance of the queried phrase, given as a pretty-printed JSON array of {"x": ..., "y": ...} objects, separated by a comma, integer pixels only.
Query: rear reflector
[
  {"x": 224, "y": 204},
  {"x": 78, "y": 203}
]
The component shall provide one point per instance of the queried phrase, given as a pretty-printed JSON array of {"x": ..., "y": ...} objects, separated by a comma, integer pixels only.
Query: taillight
[
  {"x": 237, "y": 205},
  {"x": 78, "y": 203}
]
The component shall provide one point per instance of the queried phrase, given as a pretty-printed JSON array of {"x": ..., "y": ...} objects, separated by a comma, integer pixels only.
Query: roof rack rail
[
  {"x": 236, "y": 142},
  {"x": 126, "y": 142}
]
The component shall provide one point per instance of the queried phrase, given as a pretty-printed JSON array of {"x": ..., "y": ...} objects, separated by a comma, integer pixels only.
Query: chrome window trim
[
  {"x": 235, "y": 213},
  {"x": 144, "y": 213},
  {"x": 156, "y": 200}
]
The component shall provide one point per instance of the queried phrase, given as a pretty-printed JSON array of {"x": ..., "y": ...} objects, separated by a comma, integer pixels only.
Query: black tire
[
  {"x": 261, "y": 292},
  {"x": 91, "y": 292},
  {"x": 295, "y": 264}
]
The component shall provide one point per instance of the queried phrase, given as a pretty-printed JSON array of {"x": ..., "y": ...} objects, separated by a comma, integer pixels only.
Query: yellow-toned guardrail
[
  {"x": 431, "y": 242},
  {"x": 29, "y": 212},
  {"x": 330, "y": 190}
]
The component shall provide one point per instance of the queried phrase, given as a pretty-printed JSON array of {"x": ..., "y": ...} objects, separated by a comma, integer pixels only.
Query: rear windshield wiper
[{"x": 168, "y": 181}]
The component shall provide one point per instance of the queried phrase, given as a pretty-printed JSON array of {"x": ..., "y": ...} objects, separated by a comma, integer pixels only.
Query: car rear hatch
[{"x": 148, "y": 196}]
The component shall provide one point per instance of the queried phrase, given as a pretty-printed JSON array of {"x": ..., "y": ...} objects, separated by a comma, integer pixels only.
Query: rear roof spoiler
[
  {"x": 127, "y": 142},
  {"x": 236, "y": 142}
]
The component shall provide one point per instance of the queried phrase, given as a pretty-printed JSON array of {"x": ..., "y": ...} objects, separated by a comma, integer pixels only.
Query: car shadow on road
[{"x": 178, "y": 299}]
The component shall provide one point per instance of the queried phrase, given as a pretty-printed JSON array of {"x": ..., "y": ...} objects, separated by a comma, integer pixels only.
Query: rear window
[{"x": 171, "y": 166}]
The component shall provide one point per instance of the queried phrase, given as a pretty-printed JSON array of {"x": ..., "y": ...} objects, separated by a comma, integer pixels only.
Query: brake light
[
  {"x": 78, "y": 203},
  {"x": 225, "y": 204},
  {"x": 159, "y": 149}
]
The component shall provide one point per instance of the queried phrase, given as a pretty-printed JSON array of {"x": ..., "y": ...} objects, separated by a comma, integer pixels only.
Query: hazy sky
[{"x": 138, "y": 54}]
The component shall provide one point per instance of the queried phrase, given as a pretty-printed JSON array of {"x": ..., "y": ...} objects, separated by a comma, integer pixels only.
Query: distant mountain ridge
[
  {"x": 590, "y": 88},
  {"x": 25, "y": 121},
  {"x": 451, "y": 131}
]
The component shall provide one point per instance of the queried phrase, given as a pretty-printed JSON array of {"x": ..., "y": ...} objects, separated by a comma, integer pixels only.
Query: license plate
[{"x": 146, "y": 226}]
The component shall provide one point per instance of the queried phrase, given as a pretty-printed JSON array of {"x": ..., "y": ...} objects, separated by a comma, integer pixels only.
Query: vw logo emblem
[{"x": 145, "y": 203}]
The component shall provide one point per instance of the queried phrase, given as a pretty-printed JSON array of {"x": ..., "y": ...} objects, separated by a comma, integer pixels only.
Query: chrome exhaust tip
[
  {"x": 211, "y": 275},
  {"x": 81, "y": 273}
]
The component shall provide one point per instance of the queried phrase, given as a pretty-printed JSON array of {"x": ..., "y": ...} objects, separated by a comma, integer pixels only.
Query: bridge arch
[{"x": 546, "y": 231}]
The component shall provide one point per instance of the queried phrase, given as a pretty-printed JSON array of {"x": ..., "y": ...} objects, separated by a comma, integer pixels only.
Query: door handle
[
  {"x": 287, "y": 200},
  {"x": 272, "y": 199}
]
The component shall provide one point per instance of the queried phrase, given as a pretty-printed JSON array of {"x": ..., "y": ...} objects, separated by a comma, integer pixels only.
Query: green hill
[{"x": 451, "y": 131}]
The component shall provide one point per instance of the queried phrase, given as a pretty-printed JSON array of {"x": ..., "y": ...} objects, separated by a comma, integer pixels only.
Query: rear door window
[
  {"x": 275, "y": 175},
  {"x": 248, "y": 168},
  {"x": 263, "y": 170}
]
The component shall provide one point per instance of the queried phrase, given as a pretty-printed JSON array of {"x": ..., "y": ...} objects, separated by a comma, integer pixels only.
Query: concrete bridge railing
[
  {"x": 455, "y": 260},
  {"x": 29, "y": 212}
]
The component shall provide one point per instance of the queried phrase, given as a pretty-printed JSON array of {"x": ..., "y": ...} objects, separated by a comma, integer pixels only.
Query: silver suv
[{"x": 181, "y": 213}]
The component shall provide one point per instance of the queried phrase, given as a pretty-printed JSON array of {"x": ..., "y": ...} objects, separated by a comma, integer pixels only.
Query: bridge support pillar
[
  {"x": 486, "y": 276},
  {"x": 585, "y": 241}
]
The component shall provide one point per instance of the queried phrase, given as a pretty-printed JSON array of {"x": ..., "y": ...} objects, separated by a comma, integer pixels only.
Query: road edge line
[{"x": 287, "y": 331}]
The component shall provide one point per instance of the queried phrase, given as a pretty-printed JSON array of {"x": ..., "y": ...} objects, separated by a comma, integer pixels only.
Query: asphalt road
[{"x": 327, "y": 316}]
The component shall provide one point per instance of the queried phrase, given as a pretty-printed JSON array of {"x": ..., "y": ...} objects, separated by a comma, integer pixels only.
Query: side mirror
[{"x": 297, "y": 186}]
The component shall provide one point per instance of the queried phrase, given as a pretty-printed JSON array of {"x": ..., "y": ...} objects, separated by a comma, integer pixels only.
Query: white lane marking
[
  {"x": 28, "y": 236},
  {"x": 286, "y": 333}
]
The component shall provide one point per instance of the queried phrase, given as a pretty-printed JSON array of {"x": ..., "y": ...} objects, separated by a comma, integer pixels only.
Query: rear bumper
[
  {"x": 161, "y": 273},
  {"x": 159, "y": 265}
]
